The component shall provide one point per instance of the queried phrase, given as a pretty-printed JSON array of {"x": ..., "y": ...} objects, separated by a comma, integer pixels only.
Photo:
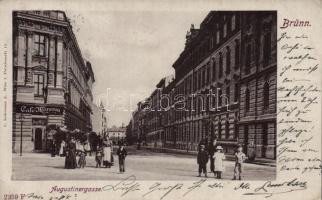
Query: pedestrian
[
  {"x": 70, "y": 160},
  {"x": 219, "y": 157},
  {"x": 82, "y": 157},
  {"x": 211, "y": 151},
  {"x": 99, "y": 157},
  {"x": 202, "y": 160},
  {"x": 240, "y": 157},
  {"x": 122, "y": 153},
  {"x": 107, "y": 152},
  {"x": 62, "y": 149}
]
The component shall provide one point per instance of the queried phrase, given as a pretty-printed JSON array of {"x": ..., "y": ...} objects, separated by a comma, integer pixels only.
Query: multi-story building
[
  {"x": 226, "y": 77},
  {"x": 257, "y": 110},
  {"x": 52, "y": 83}
]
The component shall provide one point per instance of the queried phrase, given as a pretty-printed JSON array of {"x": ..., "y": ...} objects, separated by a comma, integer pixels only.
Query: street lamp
[{"x": 21, "y": 122}]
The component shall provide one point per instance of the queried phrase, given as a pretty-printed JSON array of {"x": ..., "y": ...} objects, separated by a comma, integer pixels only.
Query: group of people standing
[
  {"x": 215, "y": 154},
  {"x": 103, "y": 154}
]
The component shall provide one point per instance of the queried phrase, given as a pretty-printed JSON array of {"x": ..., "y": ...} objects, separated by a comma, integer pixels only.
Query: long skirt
[
  {"x": 70, "y": 160},
  {"x": 107, "y": 156}
]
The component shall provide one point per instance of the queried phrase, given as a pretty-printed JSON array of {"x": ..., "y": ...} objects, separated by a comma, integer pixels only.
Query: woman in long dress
[
  {"x": 70, "y": 160},
  {"x": 107, "y": 151}
]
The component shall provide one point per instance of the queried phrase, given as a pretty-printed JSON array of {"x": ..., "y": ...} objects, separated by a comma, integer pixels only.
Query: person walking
[
  {"x": 240, "y": 157},
  {"x": 122, "y": 153},
  {"x": 202, "y": 160},
  {"x": 107, "y": 152},
  {"x": 219, "y": 157}
]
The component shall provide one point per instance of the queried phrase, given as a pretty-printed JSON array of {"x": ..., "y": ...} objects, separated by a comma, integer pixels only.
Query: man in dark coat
[
  {"x": 122, "y": 153},
  {"x": 202, "y": 160}
]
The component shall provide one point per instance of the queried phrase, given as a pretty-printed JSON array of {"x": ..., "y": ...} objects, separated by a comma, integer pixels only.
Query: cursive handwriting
[{"x": 127, "y": 185}]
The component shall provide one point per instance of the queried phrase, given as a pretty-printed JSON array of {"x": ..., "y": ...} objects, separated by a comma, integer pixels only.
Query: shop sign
[{"x": 39, "y": 110}]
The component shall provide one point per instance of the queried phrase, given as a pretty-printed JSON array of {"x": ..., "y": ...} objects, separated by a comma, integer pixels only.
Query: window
[
  {"x": 39, "y": 46},
  {"x": 228, "y": 94},
  {"x": 233, "y": 22},
  {"x": 220, "y": 65},
  {"x": 39, "y": 85},
  {"x": 218, "y": 37},
  {"x": 213, "y": 70},
  {"x": 267, "y": 49},
  {"x": 247, "y": 99},
  {"x": 227, "y": 129},
  {"x": 219, "y": 97},
  {"x": 211, "y": 44},
  {"x": 219, "y": 130},
  {"x": 225, "y": 30},
  {"x": 236, "y": 92},
  {"x": 248, "y": 59},
  {"x": 266, "y": 95},
  {"x": 228, "y": 61},
  {"x": 237, "y": 57},
  {"x": 208, "y": 74},
  {"x": 203, "y": 77}
]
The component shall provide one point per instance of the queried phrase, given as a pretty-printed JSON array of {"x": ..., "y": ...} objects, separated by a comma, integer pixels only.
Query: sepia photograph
[{"x": 159, "y": 95}]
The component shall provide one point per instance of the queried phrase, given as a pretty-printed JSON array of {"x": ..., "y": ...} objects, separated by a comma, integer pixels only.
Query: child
[
  {"x": 202, "y": 160},
  {"x": 219, "y": 157},
  {"x": 99, "y": 157},
  {"x": 122, "y": 153},
  {"x": 240, "y": 157}
]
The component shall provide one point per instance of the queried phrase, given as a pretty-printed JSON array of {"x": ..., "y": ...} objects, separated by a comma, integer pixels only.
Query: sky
[{"x": 130, "y": 52}]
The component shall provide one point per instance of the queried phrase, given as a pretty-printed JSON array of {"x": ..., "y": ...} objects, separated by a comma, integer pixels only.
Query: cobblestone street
[{"x": 145, "y": 165}]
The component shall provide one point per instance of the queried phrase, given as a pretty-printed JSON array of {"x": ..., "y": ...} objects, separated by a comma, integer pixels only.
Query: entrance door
[
  {"x": 246, "y": 138},
  {"x": 38, "y": 139},
  {"x": 265, "y": 135}
]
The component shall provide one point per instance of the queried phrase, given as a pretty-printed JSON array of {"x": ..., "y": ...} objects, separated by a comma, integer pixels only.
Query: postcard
[{"x": 160, "y": 100}]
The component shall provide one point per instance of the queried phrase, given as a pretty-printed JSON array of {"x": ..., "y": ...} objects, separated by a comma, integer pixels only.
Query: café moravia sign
[{"x": 39, "y": 110}]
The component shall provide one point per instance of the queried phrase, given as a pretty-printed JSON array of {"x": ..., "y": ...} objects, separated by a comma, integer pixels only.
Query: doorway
[
  {"x": 38, "y": 139},
  {"x": 265, "y": 137},
  {"x": 246, "y": 138}
]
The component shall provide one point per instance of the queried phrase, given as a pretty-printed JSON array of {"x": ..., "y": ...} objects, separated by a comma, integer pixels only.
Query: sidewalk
[{"x": 257, "y": 161}]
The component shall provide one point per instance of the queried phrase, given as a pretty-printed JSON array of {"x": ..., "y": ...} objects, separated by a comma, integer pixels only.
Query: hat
[
  {"x": 219, "y": 148},
  {"x": 202, "y": 145}
]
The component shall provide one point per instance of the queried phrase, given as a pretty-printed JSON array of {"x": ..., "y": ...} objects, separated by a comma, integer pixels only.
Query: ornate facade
[{"x": 52, "y": 82}]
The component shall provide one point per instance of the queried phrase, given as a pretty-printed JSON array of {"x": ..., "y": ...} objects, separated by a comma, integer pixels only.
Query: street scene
[
  {"x": 166, "y": 167},
  {"x": 160, "y": 96}
]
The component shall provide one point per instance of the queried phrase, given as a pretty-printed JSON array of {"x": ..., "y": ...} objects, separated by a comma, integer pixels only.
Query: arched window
[
  {"x": 213, "y": 70},
  {"x": 266, "y": 95},
  {"x": 220, "y": 65},
  {"x": 237, "y": 55},
  {"x": 227, "y": 129},
  {"x": 247, "y": 99},
  {"x": 228, "y": 61}
]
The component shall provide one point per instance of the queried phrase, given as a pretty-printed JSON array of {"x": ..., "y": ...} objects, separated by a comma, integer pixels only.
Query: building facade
[
  {"x": 224, "y": 87},
  {"x": 117, "y": 134},
  {"x": 52, "y": 83}
]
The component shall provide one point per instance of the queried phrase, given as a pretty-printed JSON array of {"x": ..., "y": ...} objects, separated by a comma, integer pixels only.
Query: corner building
[{"x": 52, "y": 82}]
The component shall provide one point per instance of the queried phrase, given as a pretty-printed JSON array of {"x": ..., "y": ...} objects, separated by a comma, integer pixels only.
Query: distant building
[
  {"x": 99, "y": 119},
  {"x": 116, "y": 134},
  {"x": 52, "y": 83}
]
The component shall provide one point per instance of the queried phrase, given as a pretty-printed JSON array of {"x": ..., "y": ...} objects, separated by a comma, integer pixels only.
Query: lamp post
[{"x": 21, "y": 122}]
